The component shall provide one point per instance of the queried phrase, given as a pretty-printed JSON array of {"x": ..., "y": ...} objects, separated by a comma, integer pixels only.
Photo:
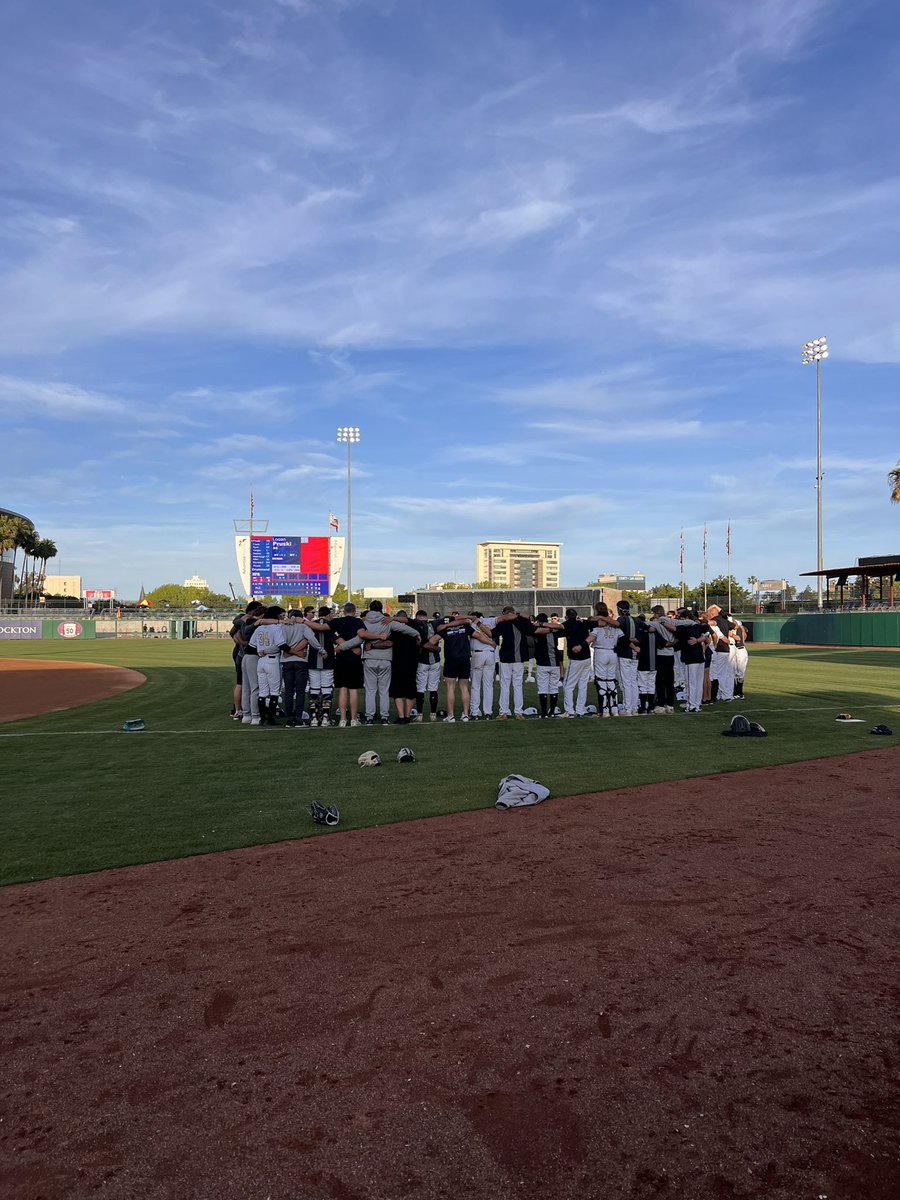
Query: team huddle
[{"x": 314, "y": 664}]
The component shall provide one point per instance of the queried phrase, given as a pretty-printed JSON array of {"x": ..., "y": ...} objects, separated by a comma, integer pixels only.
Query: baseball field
[{"x": 676, "y": 978}]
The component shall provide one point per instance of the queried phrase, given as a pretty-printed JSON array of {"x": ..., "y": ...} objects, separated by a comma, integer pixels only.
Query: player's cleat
[
  {"x": 449, "y": 720},
  {"x": 342, "y": 723},
  {"x": 355, "y": 723}
]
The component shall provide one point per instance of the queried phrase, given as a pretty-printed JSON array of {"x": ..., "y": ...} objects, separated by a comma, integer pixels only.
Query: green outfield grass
[{"x": 84, "y": 795}]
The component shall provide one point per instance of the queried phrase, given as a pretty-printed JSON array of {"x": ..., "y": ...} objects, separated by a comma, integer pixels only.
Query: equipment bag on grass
[{"x": 516, "y": 792}]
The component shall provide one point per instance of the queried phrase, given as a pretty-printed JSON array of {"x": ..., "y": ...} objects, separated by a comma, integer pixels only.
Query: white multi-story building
[
  {"x": 196, "y": 582},
  {"x": 518, "y": 564}
]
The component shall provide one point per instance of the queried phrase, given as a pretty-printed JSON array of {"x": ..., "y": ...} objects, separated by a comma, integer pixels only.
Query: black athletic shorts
[
  {"x": 461, "y": 669},
  {"x": 348, "y": 670}
]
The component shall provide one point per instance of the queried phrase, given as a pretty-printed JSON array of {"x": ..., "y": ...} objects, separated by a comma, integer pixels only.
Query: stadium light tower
[
  {"x": 815, "y": 351},
  {"x": 349, "y": 435}
]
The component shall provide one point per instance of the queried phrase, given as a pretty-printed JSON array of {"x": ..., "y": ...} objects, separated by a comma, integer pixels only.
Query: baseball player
[
  {"x": 578, "y": 671},
  {"x": 428, "y": 669},
  {"x": 721, "y": 669},
  {"x": 739, "y": 655},
  {"x": 603, "y": 643},
  {"x": 268, "y": 642},
  {"x": 626, "y": 655},
  {"x": 484, "y": 654},
  {"x": 547, "y": 669}
]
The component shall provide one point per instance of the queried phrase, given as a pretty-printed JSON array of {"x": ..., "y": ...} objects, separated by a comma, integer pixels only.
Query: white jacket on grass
[{"x": 516, "y": 792}]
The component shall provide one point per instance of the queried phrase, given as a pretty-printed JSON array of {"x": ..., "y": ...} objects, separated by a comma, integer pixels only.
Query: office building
[{"x": 518, "y": 564}]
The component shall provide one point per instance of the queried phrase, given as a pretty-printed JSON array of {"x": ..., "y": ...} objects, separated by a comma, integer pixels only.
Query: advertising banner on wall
[{"x": 20, "y": 631}]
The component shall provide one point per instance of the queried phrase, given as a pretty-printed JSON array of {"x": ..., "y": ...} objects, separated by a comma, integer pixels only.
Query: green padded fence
[{"x": 828, "y": 629}]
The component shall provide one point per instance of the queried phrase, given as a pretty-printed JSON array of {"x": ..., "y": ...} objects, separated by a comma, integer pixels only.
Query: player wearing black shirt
[{"x": 348, "y": 668}]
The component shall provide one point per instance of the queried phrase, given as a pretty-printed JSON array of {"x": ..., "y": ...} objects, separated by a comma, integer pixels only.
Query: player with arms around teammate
[
  {"x": 298, "y": 639},
  {"x": 578, "y": 672},
  {"x": 627, "y": 659},
  {"x": 428, "y": 669},
  {"x": 348, "y": 668},
  {"x": 603, "y": 643},
  {"x": 547, "y": 669},
  {"x": 457, "y": 663},
  {"x": 267, "y": 640},
  {"x": 511, "y": 633},
  {"x": 484, "y": 655}
]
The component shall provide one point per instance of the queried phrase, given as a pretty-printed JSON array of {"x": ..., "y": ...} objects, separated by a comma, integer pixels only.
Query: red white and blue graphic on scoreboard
[{"x": 289, "y": 566}]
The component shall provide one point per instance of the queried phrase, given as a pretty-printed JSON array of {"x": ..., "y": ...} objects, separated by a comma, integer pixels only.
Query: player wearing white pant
[
  {"x": 547, "y": 669},
  {"x": 578, "y": 672},
  {"x": 603, "y": 643},
  {"x": 721, "y": 671},
  {"x": 428, "y": 668},
  {"x": 690, "y": 639},
  {"x": 626, "y": 653},
  {"x": 484, "y": 656},
  {"x": 739, "y": 656},
  {"x": 511, "y": 635}
]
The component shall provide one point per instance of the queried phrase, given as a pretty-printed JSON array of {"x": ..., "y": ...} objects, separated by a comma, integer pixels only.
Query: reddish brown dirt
[
  {"x": 29, "y": 687},
  {"x": 681, "y": 991}
]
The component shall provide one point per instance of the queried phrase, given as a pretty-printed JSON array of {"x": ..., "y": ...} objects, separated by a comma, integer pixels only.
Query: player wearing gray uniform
[
  {"x": 378, "y": 652},
  {"x": 268, "y": 640},
  {"x": 603, "y": 643}
]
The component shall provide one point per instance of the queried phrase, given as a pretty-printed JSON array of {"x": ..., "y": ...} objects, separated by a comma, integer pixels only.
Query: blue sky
[{"x": 556, "y": 260}]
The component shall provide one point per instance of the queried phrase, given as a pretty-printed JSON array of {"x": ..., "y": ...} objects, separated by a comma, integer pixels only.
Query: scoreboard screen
[{"x": 289, "y": 566}]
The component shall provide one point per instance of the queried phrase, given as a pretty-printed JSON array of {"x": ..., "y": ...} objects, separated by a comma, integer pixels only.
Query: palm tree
[
  {"x": 894, "y": 481},
  {"x": 28, "y": 542},
  {"x": 44, "y": 550},
  {"x": 14, "y": 532}
]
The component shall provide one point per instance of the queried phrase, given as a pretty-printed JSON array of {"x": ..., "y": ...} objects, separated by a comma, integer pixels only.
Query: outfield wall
[
  {"x": 25, "y": 629},
  {"x": 827, "y": 629}
]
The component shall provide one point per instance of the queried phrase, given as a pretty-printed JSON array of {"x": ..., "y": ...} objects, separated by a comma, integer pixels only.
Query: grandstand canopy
[{"x": 880, "y": 567}]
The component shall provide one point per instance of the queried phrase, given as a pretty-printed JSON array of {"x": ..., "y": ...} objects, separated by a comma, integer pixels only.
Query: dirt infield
[
  {"x": 682, "y": 991},
  {"x": 30, "y": 687}
]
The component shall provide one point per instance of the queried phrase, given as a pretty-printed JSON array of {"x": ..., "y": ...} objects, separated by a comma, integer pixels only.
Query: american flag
[
  {"x": 681, "y": 556},
  {"x": 704, "y": 549},
  {"x": 728, "y": 540},
  {"x": 333, "y": 522}
]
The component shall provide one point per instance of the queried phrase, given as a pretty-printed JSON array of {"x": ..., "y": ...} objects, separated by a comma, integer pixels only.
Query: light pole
[
  {"x": 815, "y": 351},
  {"x": 348, "y": 434}
]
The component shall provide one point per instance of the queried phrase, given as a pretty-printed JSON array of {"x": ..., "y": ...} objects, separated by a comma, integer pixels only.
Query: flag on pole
[
  {"x": 681, "y": 555},
  {"x": 251, "y": 504},
  {"x": 704, "y": 551},
  {"x": 333, "y": 522},
  {"x": 728, "y": 540}
]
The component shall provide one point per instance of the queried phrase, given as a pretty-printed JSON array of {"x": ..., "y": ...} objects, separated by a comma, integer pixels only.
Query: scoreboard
[{"x": 289, "y": 566}]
